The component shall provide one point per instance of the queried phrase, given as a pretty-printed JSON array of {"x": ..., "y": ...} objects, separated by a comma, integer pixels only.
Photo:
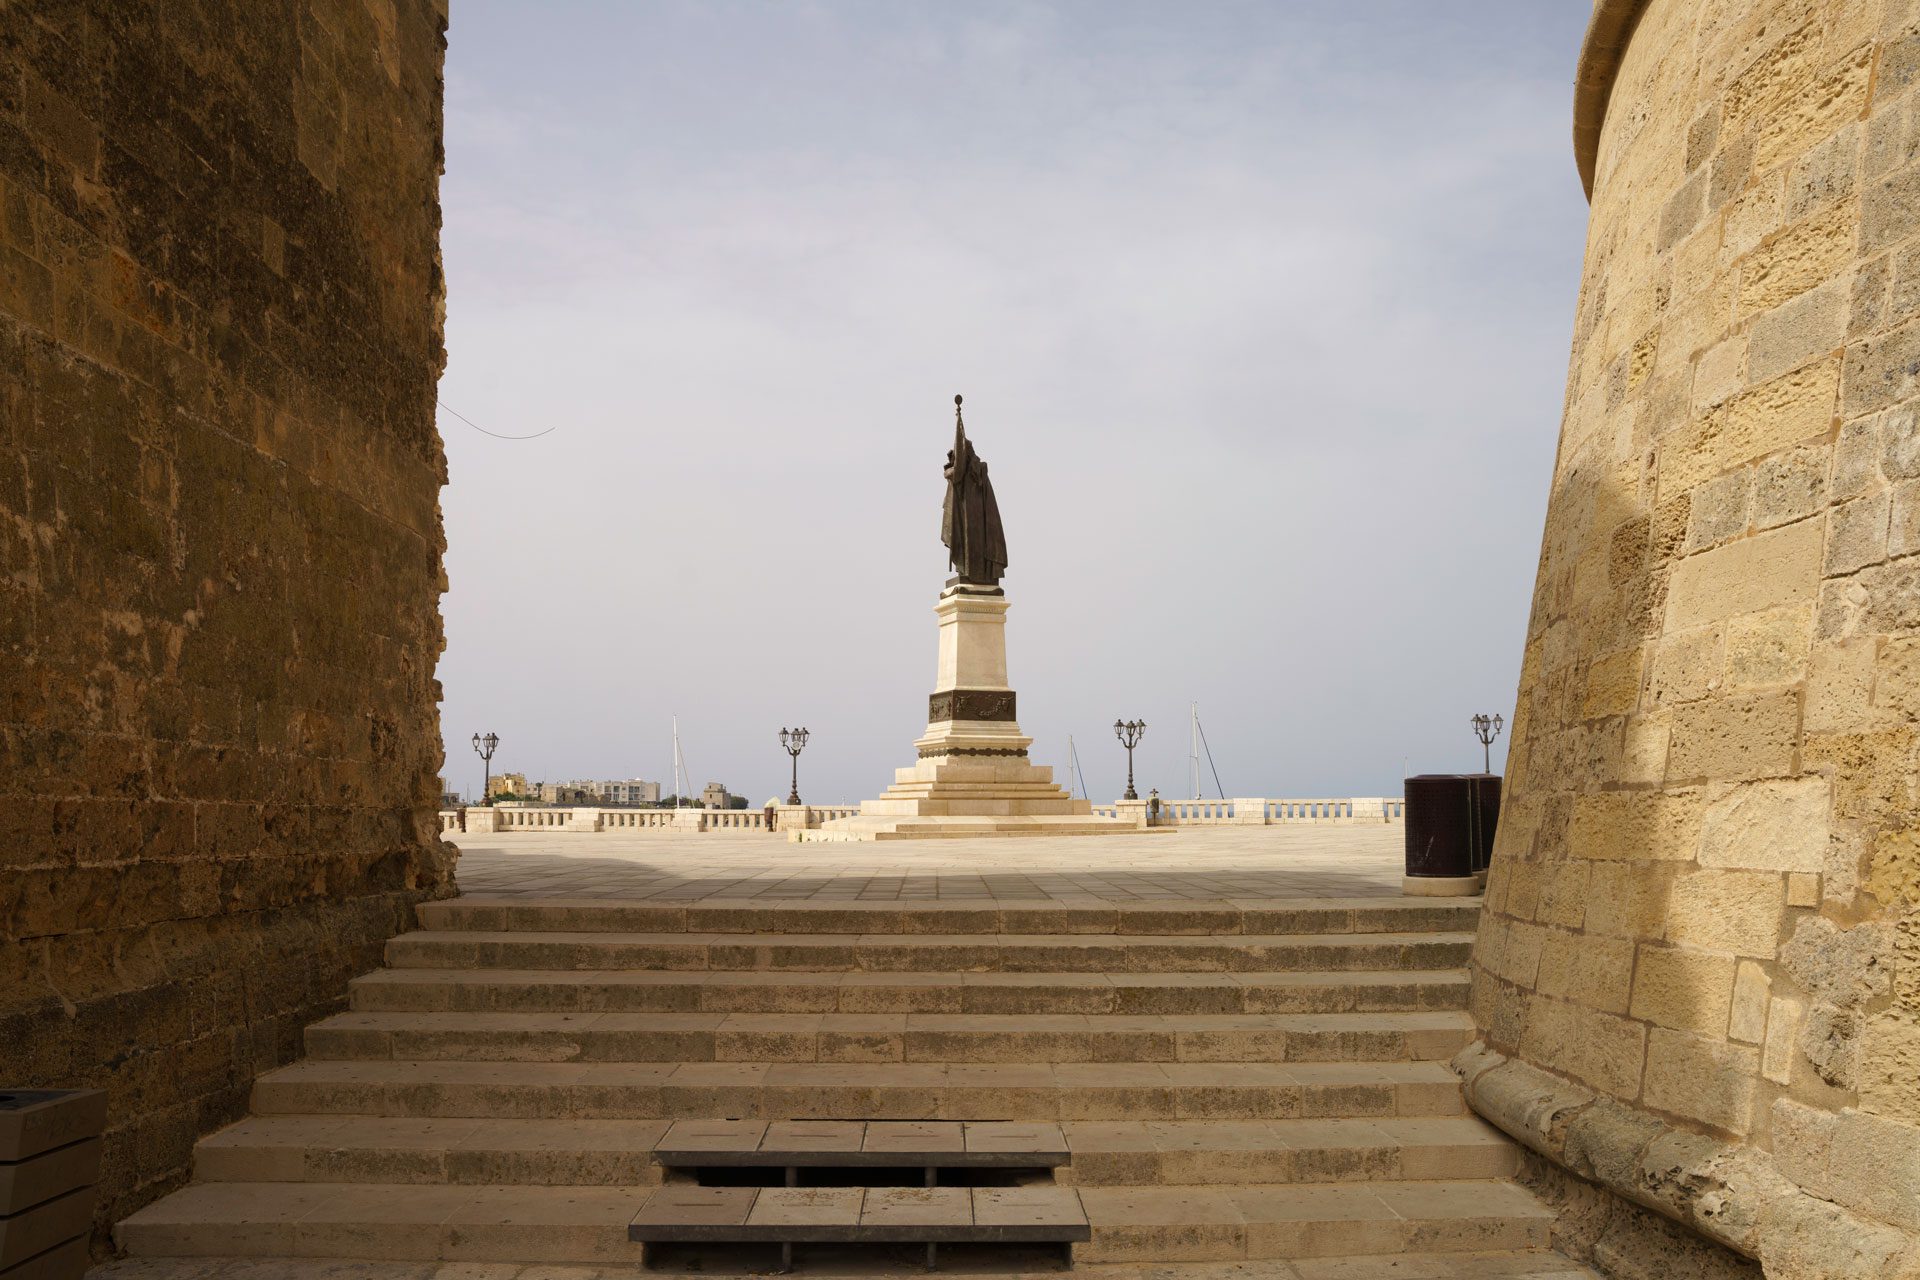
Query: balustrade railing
[
  {"x": 527, "y": 819},
  {"x": 1187, "y": 813},
  {"x": 735, "y": 820},
  {"x": 634, "y": 819},
  {"x": 1309, "y": 810},
  {"x": 1264, "y": 812},
  {"x": 1169, "y": 813}
]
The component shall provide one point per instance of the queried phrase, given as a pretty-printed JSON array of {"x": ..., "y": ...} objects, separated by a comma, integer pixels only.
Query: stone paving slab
[
  {"x": 1192, "y": 863},
  {"x": 908, "y": 1208},
  {"x": 806, "y": 1207}
]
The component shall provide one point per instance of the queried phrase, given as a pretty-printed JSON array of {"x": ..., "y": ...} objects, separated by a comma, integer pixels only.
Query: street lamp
[
  {"x": 1487, "y": 728},
  {"x": 1130, "y": 732},
  {"x": 795, "y": 741},
  {"x": 484, "y": 747}
]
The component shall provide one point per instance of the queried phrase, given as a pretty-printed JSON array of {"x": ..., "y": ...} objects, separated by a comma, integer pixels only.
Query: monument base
[
  {"x": 953, "y": 796},
  {"x": 973, "y": 777},
  {"x": 960, "y": 827},
  {"x": 1444, "y": 886}
]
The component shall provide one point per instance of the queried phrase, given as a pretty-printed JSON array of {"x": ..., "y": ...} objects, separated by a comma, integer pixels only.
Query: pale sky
[{"x": 1261, "y": 311}]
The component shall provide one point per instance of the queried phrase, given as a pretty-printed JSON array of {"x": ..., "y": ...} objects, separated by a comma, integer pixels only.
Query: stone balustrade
[
  {"x": 1255, "y": 811},
  {"x": 495, "y": 819}
]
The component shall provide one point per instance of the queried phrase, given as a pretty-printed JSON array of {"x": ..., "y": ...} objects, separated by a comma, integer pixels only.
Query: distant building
[
  {"x": 580, "y": 791},
  {"x": 615, "y": 791},
  {"x": 633, "y": 791},
  {"x": 716, "y": 796}
]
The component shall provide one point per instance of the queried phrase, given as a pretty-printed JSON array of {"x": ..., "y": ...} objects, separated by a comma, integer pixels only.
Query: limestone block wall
[
  {"x": 1698, "y": 975},
  {"x": 220, "y": 543}
]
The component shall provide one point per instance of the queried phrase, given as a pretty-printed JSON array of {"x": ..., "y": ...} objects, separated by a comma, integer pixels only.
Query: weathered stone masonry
[
  {"x": 219, "y": 538},
  {"x": 1698, "y": 975}
]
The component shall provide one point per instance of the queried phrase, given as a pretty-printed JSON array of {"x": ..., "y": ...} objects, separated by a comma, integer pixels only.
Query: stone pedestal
[
  {"x": 1249, "y": 812},
  {"x": 972, "y": 777},
  {"x": 1369, "y": 809}
]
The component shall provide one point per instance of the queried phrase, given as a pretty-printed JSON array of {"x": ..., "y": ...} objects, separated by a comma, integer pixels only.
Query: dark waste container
[
  {"x": 1450, "y": 823},
  {"x": 49, "y": 1162}
]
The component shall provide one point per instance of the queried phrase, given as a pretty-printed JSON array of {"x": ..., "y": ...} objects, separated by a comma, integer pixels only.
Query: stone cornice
[{"x": 1600, "y": 53}]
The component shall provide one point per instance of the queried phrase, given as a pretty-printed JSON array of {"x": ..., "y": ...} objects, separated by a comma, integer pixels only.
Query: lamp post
[
  {"x": 1130, "y": 732},
  {"x": 484, "y": 747},
  {"x": 795, "y": 741},
  {"x": 1487, "y": 728}
]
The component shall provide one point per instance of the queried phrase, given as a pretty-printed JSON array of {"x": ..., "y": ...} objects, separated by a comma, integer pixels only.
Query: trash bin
[
  {"x": 1450, "y": 823},
  {"x": 49, "y": 1161}
]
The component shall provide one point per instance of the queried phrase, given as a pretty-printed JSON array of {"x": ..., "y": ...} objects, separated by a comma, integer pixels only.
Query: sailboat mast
[{"x": 1193, "y": 749}]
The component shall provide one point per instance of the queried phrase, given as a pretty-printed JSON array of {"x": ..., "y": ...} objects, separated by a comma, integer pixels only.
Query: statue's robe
[{"x": 970, "y": 518}]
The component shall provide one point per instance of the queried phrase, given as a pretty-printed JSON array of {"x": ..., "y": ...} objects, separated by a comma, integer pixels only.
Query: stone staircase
[{"x": 1234, "y": 1082}]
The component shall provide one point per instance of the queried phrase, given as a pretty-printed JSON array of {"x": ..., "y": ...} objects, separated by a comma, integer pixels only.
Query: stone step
[
  {"x": 1145, "y": 1153},
  {"x": 1504, "y": 1264},
  {"x": 454, "y": 1152},
  {"x": 1016, "y": 1263},
  {"x": 888, "y": 1037},
  {"x": 973, "y": 916},
  {"x": 588, "y": 1225},
  {"x": 1195, "y": 1224},
  {"x": 476, "y": 1152},
  {"x": 953, "y": 953},
  {"x": 837, "y": 1091},
  {"x": 632, "y": 990}
]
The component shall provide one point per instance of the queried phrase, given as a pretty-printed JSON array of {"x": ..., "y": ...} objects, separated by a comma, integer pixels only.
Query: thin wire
[{"x": 483, "y": 431}]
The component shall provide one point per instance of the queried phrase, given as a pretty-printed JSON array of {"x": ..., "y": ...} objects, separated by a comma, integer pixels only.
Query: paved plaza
[{"x": 1224, "y": 863}]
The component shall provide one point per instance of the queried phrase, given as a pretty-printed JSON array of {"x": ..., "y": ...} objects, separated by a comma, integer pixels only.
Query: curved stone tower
[{"x": 1698, "y": 974}]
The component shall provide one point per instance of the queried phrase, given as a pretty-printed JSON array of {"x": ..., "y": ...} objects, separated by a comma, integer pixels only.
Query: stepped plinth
[{"x": 972, "y": 776}]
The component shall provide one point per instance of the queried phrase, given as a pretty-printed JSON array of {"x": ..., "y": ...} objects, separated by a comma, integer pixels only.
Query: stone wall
[
  {"x": 1698, "y": 976},
  {"x": 220, "y": 544}
]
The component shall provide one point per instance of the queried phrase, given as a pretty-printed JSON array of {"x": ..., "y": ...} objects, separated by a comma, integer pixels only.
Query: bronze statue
[{"x": 970, "y": 518}]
